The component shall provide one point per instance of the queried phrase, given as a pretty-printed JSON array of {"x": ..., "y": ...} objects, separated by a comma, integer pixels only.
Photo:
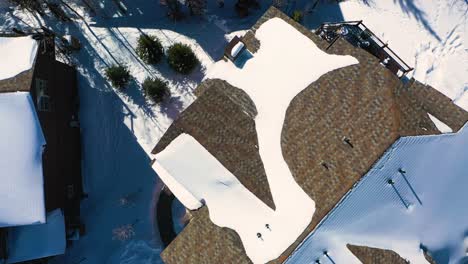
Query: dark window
[
  {"x": 42, "y": 95},
  {"x": 44, "y": 103}
]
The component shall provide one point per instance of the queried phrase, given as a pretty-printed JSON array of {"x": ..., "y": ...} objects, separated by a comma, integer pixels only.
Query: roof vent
[
  {"x": 325, "y": 165},
  {"x": 348, "y": 142}
]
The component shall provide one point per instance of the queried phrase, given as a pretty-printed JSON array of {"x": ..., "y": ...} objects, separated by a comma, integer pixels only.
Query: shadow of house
[
  {"x": 323, "y": 12},
  {"x": 54, "y": 91},
  {"x": 165, "y": 218},
  {"x": 114, "y": 164}
]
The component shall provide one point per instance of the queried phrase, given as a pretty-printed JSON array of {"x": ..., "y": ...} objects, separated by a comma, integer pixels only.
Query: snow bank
[
  {"x": 37, "y": 241},
  {"x": 18, "y": 55},
  {"x": 372, "y": 214},
  {"x": 428, "y": 35},
  {"x": 21, "y": 146},
  {"x": 286, "y": 63}
]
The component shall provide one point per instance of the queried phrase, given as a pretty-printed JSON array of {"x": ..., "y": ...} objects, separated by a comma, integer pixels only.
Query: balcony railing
[{"x": 356, "y": 33}]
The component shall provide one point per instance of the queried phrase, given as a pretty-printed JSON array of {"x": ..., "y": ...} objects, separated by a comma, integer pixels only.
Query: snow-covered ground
[
  {"x": 119, "y": 128},
  {"x": 430, "y": 214},
  {"x": 21, "y": 146}
]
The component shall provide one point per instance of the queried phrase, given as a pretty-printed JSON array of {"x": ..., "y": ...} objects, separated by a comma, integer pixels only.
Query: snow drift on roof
[
  {"x": 424, "y": 208},
  {"x": 21, "y": 146},
  {"x": 17, "y": 55},
  {"x": 37, "y": 241},
  {"x": 286, "y": 63}
]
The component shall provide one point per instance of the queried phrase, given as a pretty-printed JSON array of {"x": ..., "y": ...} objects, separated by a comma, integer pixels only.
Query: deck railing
[{"x": 333, "y": 30}]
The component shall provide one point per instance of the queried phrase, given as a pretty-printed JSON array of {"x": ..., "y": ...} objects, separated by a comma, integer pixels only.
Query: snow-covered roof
[
  {"x": 180, "y": 191},
  {"x": 425, "y": 205},
  {"x": 21, "y": 146},
  {"x": 17, "y": 55},
  {"x": 196, "y": 177},
  {"x": 37, "y": 241},
  {"x": 284, "y": 65}
]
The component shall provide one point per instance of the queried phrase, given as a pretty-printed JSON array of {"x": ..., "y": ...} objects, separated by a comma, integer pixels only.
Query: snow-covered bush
[
  {"x": 149, "y": 49},
  {"x": 156, "y": 89},
  {"x": 181, "y": 58},
  {"x": 118, "y": 75}
]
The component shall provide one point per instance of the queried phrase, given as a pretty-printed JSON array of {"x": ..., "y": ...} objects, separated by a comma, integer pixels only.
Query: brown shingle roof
[
  {"x": 365, "y": 103},
  {"x": 21, "y": 82},
  {"x": 18, "y": 83},
  {"x": 376, "y": 255},
  {"x": 221, "y": 119}
]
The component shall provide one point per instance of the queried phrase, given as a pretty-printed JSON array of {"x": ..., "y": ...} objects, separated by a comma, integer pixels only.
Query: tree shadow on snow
[
  {"x": 208, "y": 31},
  {"x": 411, "y": 9},
  {"x": 135, "y": 94},
  {"x": 331, "y": 12},
  {"x": 172, "y": 107},
  {"x": 184, "y": 83}
]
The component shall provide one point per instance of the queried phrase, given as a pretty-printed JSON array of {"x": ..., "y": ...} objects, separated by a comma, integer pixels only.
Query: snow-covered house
[
  {"x": 272, "y": 145},
  {"x": 40, "y": 155}
]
